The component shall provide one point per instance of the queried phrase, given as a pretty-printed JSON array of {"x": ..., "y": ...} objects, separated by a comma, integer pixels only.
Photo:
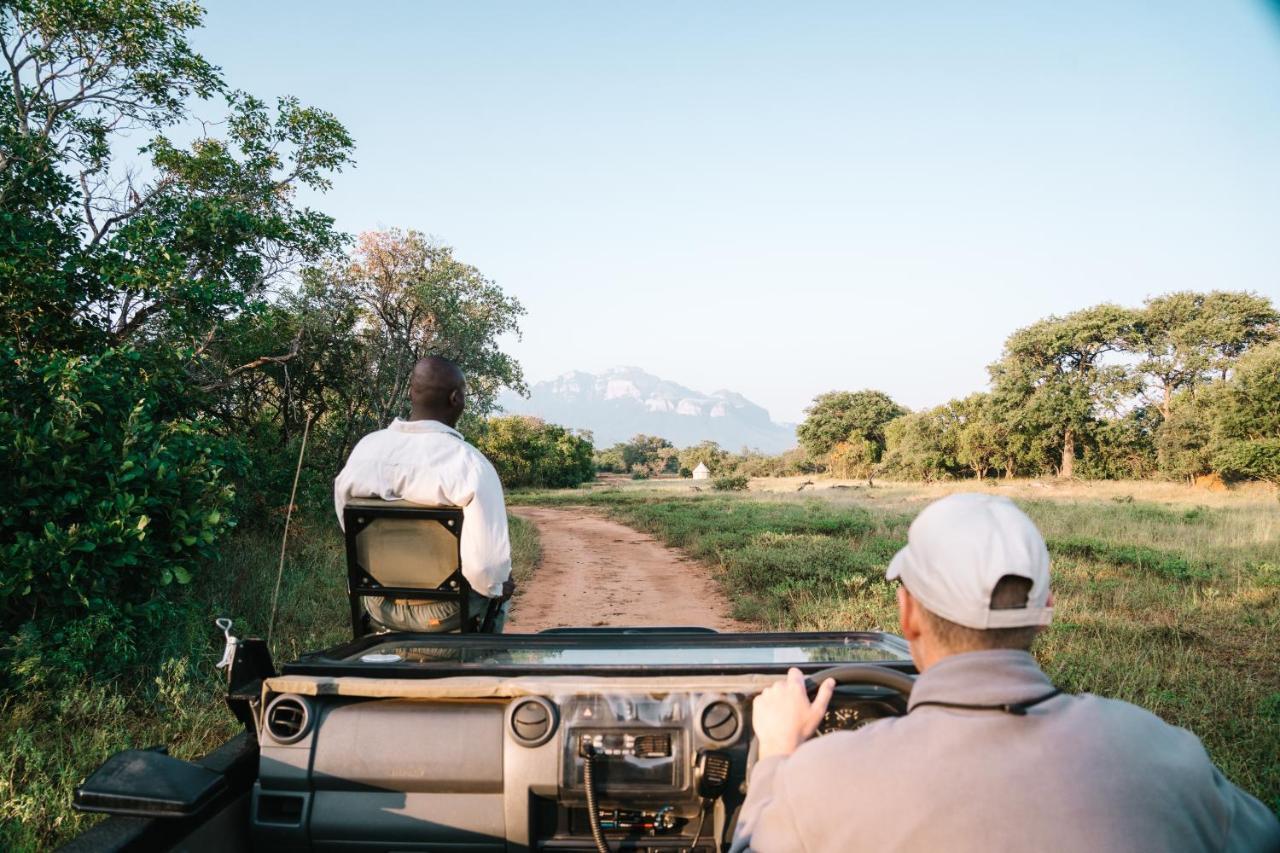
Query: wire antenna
[{"x": 284, "y": 540}]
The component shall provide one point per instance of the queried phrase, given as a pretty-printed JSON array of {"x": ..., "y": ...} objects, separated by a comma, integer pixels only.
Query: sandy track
[{"x": 598, "y": 572}]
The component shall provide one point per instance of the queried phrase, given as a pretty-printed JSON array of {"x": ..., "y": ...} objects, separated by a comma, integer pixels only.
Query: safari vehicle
[{"x": 565, "y": 740}]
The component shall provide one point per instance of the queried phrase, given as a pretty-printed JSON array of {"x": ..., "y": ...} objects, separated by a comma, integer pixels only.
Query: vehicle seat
[{"x": 404, "y": 567}]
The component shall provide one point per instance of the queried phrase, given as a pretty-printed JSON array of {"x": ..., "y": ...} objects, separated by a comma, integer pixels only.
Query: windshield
[{"x": 612, "y": 652}]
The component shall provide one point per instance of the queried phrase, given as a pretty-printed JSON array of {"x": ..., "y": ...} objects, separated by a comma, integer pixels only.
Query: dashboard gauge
[{"x": 853, "y": 715}]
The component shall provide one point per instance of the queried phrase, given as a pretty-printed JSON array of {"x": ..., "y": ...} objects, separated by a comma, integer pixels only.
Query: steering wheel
[
  {"x": 852, "y": 673},
  {"x": 862, "y": 673}
]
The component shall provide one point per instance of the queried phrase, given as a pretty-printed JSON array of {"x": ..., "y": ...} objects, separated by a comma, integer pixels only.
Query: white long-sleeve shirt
[{"x": 429, "y": 463}]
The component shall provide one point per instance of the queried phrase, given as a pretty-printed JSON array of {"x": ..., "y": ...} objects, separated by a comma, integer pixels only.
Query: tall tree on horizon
[
  {"x": 1053, "y": 377},
  {"x": 1187, "y": 339},
  {"x": 842, "y": 416}
]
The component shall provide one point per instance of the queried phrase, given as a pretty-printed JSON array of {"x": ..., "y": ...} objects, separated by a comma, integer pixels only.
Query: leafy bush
[
  {"x": 529, "y": 452},
  {"x": 114, "y": 501},
  {"x": 1250, "y": 460},
  {"x": 731, "y": 483}
]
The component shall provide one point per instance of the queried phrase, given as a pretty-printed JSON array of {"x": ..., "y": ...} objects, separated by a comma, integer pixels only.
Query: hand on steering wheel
[
  {"x": 783, "y": 715},
  {"x": 793, "y": 709}
]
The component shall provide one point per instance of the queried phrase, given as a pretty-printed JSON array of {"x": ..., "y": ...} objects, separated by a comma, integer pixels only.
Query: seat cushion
[{"x": 427, "y": 617}]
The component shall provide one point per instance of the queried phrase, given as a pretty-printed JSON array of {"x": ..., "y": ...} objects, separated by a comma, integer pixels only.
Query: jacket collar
[
  {"x": 982, "y": 678},
  {"x": 424, "y": 426}
]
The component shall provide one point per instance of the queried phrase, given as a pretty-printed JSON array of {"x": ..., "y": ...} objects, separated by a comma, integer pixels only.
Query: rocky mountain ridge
[{"x": 621, "y": 402}]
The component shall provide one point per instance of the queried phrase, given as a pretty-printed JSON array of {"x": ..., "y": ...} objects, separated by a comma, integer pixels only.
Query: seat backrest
[
  {"x": 403, "y": 550},
  {"x": 407, "y": 550}
]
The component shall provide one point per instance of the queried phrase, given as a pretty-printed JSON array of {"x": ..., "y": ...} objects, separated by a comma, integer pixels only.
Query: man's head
[
  {"x": 437, "y": 391},
  {"x": 975, "y": 576}
]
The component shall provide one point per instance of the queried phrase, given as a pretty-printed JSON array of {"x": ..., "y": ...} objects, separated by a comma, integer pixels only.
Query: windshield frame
[{"x": 343, "y": 660}]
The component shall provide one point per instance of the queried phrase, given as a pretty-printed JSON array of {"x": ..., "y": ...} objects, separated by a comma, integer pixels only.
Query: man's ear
[
  {"x": 456, "y": 400},
  {"x": 908, "y": 615}
]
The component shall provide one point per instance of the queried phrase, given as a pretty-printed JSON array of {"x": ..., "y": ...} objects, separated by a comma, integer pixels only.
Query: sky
[{"x": 783, "y": 199}]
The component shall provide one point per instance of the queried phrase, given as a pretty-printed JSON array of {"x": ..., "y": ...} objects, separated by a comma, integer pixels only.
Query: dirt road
[{"x": 598, "y": 572}]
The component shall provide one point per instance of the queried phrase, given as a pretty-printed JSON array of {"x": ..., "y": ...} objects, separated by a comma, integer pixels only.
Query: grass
[
  {"x": 1165, "y": 597},
  {"x": 52, "y": 737}
]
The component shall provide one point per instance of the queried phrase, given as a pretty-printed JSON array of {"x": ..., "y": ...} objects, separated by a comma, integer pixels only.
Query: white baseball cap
[{"x": 960, "y": 547}]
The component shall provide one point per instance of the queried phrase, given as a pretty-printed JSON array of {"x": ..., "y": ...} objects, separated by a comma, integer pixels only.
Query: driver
[{"x": 990, "y": 756}]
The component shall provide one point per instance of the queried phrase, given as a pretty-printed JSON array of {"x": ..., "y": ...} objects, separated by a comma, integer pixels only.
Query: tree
[
  {"x": 611, "y": 460},
  {"x": 982, "y": 439},
  {"x": 923, "y": 445},
  {"x": 1122, "y": 448},
  {"x": 417, "y": 300},
  {"x": 1053, "y": 378},
  {"x": 846, "y": 415},
  {"x": 855, "y": 458},
  {"x": 1186, "y": 339},
  {"x": 1184, "y": 440},
  {"x": 115, "y": 278},
  {"x": 530, "y": 452},
  {"x": 649, "y": 454},
  {"x": 716, "y": 458},
  {"x": 1247, "y": 421}
]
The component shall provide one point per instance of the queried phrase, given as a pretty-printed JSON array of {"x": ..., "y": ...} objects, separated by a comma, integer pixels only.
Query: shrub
[
  {"x": 114, "y": 501},
  {"x": 1250, "y": 460},
  {"x": 530, "y": 452},
  {"x": 731, "y": 483}
]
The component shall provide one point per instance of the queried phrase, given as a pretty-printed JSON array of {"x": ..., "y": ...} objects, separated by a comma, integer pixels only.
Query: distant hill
[{"x": 621, "y": 402}]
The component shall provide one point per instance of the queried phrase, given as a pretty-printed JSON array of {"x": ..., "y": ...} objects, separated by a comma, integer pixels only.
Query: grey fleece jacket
[{"x": 1076, "y": 773}]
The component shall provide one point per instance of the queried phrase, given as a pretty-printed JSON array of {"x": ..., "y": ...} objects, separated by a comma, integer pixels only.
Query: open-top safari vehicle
[{"x": 569, "y": 739}]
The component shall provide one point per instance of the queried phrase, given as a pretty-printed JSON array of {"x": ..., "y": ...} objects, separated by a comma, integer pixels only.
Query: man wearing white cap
[{"x": 990, "y": 756}]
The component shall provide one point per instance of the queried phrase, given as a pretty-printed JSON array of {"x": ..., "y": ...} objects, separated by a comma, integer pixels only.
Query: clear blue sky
[{"x": 787, "y": 198}]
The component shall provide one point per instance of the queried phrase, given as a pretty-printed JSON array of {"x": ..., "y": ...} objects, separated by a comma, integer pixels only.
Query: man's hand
[{"x": 782, "y": 716}]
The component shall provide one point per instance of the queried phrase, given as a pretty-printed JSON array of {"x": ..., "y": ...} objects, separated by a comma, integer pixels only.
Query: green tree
[
  {"x": 650, "y": 455},
  {"x": 530, "y": 452},
  {"x": 417, "y": 300},
  {"x": 716, "y": 458},
  {"x": 115, "y": 279},
  {"x": 611, "y": 460},
  {"x": 982, "y": 436},
  {"x": 1184, "y": 439},
  {"x": 1054, "y": 380},
  {"x": 1247, "y": 421},
  {"x": 1122, "y": 448},
  {"x": 846, "y": 415},
  {"x": 1187, "y": 339},
  {"x": 923, "y": 445},
  {"x": 855, "y": 459}
]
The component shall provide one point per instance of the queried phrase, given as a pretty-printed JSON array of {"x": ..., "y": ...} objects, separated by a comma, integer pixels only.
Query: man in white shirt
[{"x": 425, "y": 460}]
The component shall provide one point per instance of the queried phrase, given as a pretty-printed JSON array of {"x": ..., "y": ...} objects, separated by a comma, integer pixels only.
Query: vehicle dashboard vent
[
  {"x": 533, "y": 721},
  {"x": 288, "y": 718},
  {"x": 720, "y": 721}
]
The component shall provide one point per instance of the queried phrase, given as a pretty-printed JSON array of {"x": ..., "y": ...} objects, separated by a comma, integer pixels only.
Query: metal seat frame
[{"x": 361, "y": 584}]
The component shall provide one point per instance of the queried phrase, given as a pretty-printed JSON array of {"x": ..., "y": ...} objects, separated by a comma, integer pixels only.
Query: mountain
[{"x": 621, "y": 402}]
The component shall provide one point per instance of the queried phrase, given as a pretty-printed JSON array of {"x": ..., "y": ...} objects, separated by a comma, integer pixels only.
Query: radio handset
[{"x": 712, "y": 772}]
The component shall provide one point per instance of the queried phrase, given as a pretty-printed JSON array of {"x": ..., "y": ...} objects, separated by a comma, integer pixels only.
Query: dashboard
[
  {"x": 662, "y": 767},
  {"x": 532, "y": 742}
]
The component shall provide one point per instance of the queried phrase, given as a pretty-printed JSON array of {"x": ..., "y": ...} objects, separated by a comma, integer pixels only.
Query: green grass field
[
  {"x": 51, "y": 738},
  {"x": 1165, "y": 597},
  {"x": 1166, "y": 603}
]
